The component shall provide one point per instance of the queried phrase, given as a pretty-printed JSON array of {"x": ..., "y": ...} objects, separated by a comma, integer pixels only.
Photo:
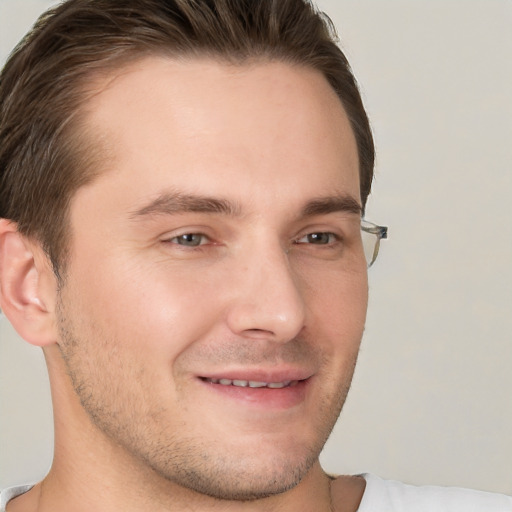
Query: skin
[{"x": 275, "y": 291}]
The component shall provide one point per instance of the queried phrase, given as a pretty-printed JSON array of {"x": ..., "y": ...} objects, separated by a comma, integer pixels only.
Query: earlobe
[{"x": 26, "y": 302}]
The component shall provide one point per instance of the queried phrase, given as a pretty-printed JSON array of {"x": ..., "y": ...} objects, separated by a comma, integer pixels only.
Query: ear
[{"x": 28, "y": 286}]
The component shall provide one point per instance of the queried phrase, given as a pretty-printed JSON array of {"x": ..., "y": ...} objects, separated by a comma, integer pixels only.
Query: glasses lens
[
  {"x": 370, "y": 246},
  {"x": 371, "y": 235}
]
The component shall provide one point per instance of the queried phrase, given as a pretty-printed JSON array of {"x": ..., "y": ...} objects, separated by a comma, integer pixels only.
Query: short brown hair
[{"x": 45, "y": 156}]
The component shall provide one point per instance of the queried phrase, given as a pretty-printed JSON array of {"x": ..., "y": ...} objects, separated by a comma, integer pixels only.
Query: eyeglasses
[{"x": 372, "y": 235}]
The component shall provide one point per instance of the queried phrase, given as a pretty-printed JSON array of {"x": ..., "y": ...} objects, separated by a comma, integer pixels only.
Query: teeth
[
  {"x": 278, "y": 385},
  {"x": 253, "y": 383}
]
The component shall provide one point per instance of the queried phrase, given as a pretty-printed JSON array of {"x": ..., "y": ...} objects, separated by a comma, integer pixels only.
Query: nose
[{"x": 267, "y": 302}]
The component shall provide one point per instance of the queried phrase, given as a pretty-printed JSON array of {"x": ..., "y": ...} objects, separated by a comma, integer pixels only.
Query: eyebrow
[
  {"x": 332, "y": 204},
  {"x": 172, "y": 204},
  {"x": 177, "y": 203}
]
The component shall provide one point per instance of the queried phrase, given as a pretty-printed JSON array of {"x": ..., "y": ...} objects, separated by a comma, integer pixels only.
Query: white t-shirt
[{"x": 390, "y": 496}]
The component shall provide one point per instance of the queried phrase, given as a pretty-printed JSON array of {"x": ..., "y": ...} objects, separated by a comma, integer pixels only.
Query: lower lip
[{"x": 280, "y": 398}]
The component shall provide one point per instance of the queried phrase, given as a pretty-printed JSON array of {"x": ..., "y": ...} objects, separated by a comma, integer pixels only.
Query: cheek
[
  {"x": 147, "y": 305},
  {"x": 338, "y": 311}
]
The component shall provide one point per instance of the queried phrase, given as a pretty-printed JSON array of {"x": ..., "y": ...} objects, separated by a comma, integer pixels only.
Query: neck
[
  {"x": 342, "y": 494},
  {"x": 61, "y": 492}
]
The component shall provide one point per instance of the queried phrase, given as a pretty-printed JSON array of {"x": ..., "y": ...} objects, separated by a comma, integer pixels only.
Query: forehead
[{"x": 200, "y": 125}]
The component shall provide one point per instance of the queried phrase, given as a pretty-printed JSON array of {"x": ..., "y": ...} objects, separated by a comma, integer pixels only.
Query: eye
[
  {"x": 320, "y": 238},
  {"x": 189, "y": 239}
]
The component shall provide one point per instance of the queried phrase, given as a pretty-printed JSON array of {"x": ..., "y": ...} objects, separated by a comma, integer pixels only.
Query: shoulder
[
  {"x": 390, "y": 495},
  {"x": 10, "y": 493}
]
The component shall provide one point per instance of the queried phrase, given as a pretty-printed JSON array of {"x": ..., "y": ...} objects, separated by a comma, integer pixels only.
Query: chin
[{"x": 245, "y": 480}]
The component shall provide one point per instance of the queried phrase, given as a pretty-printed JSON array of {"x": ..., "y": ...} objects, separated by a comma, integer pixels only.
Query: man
[{"x": 182, "y": 186}]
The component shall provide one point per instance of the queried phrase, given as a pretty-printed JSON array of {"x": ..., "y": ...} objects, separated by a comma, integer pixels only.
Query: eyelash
[
  {"x": 319, "y": 235},
  {"x": 175, "y": 240},
  {"x": 332, "y": 238}
]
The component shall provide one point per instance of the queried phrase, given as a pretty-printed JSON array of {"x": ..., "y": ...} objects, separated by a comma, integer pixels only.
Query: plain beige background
[{"x": 431, "y": 397}]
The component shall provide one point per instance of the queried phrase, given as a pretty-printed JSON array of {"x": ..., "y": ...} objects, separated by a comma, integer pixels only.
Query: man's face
[{"x": 215, "y": 294}]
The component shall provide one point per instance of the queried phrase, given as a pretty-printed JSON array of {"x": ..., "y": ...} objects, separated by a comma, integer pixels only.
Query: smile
[{"x": 252, "y": 383}]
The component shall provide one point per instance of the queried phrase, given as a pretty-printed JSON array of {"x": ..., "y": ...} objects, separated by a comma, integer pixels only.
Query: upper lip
[{"x": 260, "y": 375}]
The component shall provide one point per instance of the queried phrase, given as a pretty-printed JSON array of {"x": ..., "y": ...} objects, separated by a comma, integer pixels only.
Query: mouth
[
  {"x": 252, "y": 383},
  {"x": 276, "y": 392}
]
